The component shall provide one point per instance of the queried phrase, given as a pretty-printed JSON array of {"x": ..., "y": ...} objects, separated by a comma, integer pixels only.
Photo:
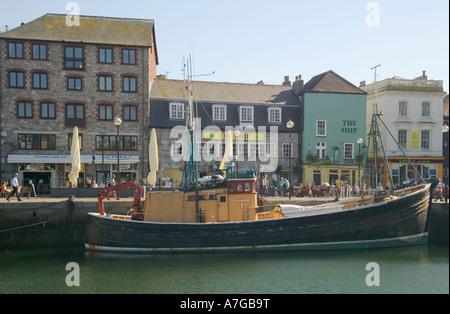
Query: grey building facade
[{"x": 256, "y": 114}]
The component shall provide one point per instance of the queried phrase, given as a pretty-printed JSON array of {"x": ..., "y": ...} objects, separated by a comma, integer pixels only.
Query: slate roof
[
  {"x": 224, "y": 92},
  {"x": 330, "y": 82},
  {"x": 92, "y": 29},
  {"x": 233, "y": 95}
]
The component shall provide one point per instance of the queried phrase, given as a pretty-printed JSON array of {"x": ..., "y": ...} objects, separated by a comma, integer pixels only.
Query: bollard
[{"x": 70, "y": 220}]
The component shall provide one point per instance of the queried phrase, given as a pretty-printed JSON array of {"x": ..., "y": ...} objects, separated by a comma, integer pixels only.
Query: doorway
[{"x": 41, "y": 181}]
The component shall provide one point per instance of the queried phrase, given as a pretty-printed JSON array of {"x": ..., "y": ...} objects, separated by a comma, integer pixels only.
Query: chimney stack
[
  {"x": 363, "y": 83},
  {"x": 286, "y": 81},
  {"x": 298, "y": 87}
]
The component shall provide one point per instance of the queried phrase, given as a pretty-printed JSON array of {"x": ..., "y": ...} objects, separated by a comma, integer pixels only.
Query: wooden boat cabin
[{"x": 234, "y": 201}]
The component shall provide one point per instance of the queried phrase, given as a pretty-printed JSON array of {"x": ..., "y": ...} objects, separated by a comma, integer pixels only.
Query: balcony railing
[{"x": 408, "y": 85}]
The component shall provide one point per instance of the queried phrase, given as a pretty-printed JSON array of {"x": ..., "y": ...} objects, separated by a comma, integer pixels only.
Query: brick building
[{"x": 55, "y": 76}]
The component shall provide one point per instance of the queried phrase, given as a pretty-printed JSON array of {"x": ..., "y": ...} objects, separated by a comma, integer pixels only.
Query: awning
[{"x": 65, "y": 159}]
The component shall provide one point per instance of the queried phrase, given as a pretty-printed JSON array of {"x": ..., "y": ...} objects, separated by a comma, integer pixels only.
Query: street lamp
[
  {"x": 118, "y": 123},
  {"x": 445, "y": 132},
  {"x": 359, "y": 141},
  {"x": 290, "y": 126}
]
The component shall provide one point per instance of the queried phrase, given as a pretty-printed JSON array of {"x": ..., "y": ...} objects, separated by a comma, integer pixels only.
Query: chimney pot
[
  {"x": 286, "y": 81},
  {"x": 423, "y": 73}
]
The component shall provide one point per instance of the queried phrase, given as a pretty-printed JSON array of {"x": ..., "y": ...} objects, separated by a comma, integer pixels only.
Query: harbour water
[{"x": 409, "y": 270}]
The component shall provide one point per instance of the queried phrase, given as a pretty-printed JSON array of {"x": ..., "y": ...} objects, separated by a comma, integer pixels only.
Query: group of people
[
  {"x": 338, "y": 188},
  {"x": 93, "y": 183},
  {"x": 335, "y": 189}
]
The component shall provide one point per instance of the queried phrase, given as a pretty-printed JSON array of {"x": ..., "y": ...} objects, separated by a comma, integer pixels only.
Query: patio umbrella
[
  {"x": 153, "y": 158},
  {"x": 76, "y": 159},
  {"x": 228, "y": 155}
]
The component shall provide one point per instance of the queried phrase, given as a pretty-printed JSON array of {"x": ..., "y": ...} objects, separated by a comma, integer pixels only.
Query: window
[
  {"x": 287, "y": 150},
  {"x": 321, "y": 128},
  {"x": 40, "y": 80},
  {"x": 402, "y": 138},
  {"x": 177, "y": 149},
  {"x": 15, "y": 50},
  {"x": 129, "y": 143},
  {"x": 73, "y": 58},
  {"x": 16, "y": 79},
  {"x": 348, "y": 151},
  {"x": 37, "y": 142},
  {"x": 246, "y": 114},
  {"x": 425, "y": 140},
  {"x": 39, "y": 52},
  {"x": 403, "y": 109},
  {"x": 105, "y": 55},
  {"x": 24, "y": 110},
  {"x": 74, "y": 83},
  {"x": 129, "y": 56},
  {"x": 275, "y": 115},
  {"x": 129, "y": 84},
  {"x": 177, "y": 111},
  {"x": 321, "y": 149},
  {"x": 105, "y": 83},
  {"x": 105, "y": 112},
  {"x": 48, "y": 110},
  {"x": 75, "y": 115},
  {"x": 129, "y": 113},
  {"x": 219, "y": 112},
  {"x": 425, "y": 109},
  {"x": 70, "y": 138}
]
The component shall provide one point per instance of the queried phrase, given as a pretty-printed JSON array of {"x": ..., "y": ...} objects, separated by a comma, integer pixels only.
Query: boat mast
[{"x": 373, "y": 129}]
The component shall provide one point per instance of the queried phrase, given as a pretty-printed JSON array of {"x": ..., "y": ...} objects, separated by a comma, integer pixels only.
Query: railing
[{"x": 400, "y": 84}]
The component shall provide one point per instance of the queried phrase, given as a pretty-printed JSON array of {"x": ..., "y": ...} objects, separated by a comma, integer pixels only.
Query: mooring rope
[{"x": 27, "y": 226}]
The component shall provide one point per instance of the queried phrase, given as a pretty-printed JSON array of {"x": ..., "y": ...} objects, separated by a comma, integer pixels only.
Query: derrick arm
[{"x": 138, "y": 190}]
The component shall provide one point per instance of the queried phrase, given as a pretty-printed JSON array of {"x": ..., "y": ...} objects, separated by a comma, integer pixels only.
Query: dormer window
[
  {"x": 177, "y": 111},
  {"x": 246, "y": 114},
  {"x": 274, "y": 115}
]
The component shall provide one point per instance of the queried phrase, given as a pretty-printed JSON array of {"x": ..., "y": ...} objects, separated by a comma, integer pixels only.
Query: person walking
[
  {"x": 265, "y": 186},
  {"x": 15, "y": 186}
]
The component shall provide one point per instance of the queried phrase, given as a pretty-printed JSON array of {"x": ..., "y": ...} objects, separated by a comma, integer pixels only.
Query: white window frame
[
  {"x": 219, "y": 112},
  {"x": 403, "y": 109},
  {"x": 274, "y": 115},
  {"x": 403, "y": 140},
  {"x": 321, "y": 150},
  {"x": 175, "y": 149},
  {"x": 424, "y": 140},
  {"x": 324, "y": 128},
  {"x": 176, "y": 110},
  {"x": 249, "y": 111},
  {"x": 346, "y": 151},
  {"x": 426, "y": 109}
]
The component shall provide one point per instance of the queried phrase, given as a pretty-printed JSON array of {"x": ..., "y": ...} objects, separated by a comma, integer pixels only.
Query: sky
[{"x": 246, "y": 41}]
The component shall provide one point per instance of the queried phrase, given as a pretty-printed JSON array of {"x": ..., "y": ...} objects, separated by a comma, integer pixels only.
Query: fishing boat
[{"x": 222, "y": 213}]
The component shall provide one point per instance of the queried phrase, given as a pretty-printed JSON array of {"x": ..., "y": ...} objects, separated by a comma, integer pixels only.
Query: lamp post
[
  {"x": 359, "y": 141},
  {"x": 290, "y": 125},
  {"x": 445, "y": 129},
  {"x": 118, "y": 123}
]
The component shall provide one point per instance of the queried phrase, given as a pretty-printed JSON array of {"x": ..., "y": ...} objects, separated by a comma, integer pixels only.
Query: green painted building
[{"x": 334, "y": 120}]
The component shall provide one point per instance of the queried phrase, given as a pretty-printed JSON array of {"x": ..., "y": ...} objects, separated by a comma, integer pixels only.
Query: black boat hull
[{"x": 399, "y": 222}]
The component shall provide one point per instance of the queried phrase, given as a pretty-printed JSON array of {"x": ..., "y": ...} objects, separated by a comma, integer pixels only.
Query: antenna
[{"x": 376, "y": 88}]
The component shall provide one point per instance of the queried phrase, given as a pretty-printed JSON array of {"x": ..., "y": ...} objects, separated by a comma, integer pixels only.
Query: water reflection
[{"x": 418, "y": 269}]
